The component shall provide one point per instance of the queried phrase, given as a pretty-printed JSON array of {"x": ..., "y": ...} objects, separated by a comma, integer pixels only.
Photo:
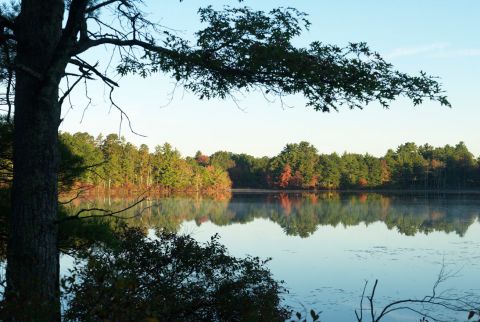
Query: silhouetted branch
[
  {"x": 80, "y": 191},
  {"x": 360, "y": 315},
  {"x": 370, "y": 299},
  {"x": 122, "y": 113},
  {"x": 105, "y": 212},
  {"x": 104, "y": 4},
  {"x": 453, "y": 304},
  {"x": 70, "y": 89},
  {"x": 123, "y": 43},
  {"x": 88, "y": 98},
  {"x": 75, "y": 171},
  {"x": 88, "y": 69}
]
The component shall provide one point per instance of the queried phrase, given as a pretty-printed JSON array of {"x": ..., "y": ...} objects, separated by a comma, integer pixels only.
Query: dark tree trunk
[{"x": 33, "y": 256}]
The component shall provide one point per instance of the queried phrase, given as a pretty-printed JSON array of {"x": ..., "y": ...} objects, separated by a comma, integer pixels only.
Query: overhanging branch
[
  {"x": 100, "y": 5},
  {"x": 86, "y": 68},
  {"x": 87, "y": 44}
]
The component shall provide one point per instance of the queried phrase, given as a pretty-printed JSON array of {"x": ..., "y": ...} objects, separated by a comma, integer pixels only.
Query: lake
[{"x": 326, "y": 245}]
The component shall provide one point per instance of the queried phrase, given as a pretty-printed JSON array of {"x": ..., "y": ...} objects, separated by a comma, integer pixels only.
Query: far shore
[
  {"x": 94, "y": 192},
  {"x": 415, "y": 191}
]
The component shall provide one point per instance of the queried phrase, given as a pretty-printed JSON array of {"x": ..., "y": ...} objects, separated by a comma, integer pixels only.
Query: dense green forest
[{"x": 113, "y": 162}]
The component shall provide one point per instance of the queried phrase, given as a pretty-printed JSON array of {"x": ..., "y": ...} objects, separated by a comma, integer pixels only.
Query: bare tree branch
[
  {"x": 102, "y": 4},
  {"x": 360, "y": 315},
  {"x": 105, "y": 212},
  {"x": 85, "y": 68},
  {"x": 70, "y": 88},
  {"x": 79, "y": 193},
  {"x": 452, "y": 304},
  {"x": 87, "y": 44}
]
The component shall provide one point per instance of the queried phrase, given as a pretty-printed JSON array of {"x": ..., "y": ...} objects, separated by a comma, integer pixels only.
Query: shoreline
[
  {"x": 94, "y": 192},
  {"x": 413, "y": 191}
]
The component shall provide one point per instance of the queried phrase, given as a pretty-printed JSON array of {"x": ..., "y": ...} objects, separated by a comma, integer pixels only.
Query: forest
[{"x": 112, "y": 162}]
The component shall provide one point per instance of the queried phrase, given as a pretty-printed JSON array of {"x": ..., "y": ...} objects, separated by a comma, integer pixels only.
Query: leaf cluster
[{"x": 241, "y": 49}]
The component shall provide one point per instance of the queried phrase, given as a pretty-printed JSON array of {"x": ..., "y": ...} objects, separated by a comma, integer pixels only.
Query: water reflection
[
  {"x": 352, "y": 237},
  {"x": 301, "y": 214}
]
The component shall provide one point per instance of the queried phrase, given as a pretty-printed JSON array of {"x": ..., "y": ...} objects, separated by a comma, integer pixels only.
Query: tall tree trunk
[{"x": 33, "y": 256}]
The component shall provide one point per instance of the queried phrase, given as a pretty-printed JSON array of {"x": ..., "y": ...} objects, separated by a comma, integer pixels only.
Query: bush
[{"x": 170, "y": 278}]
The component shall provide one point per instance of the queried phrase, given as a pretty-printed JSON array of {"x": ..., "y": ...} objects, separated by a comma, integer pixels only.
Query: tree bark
[{"x": 33, "y": 257}]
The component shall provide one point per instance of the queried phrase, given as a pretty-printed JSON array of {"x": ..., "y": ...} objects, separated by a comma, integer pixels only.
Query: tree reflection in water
[{"x": 300, "y": 214}]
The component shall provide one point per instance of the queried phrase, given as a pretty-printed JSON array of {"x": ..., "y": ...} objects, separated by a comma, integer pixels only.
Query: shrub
[{"x": 170, "y": 278}]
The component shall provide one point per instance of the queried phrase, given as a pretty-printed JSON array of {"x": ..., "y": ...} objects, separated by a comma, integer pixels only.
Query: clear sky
[{"x": 441, "y": 37}]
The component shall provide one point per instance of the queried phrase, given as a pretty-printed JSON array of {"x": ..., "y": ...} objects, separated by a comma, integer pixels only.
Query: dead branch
[
  {"x": 452, "y": 304},
  {"x": 360, "y": 315},
  {"x": 103, "y": 4},
  {"x": 78, "y": 194},
  {"x": 70, "y": 89},
  {"x": 106, "y": 213},
  {"x": 87, "y": 70}
]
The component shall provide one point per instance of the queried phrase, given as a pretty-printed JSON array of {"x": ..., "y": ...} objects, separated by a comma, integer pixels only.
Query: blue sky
[{"x": 437, "y": 36}]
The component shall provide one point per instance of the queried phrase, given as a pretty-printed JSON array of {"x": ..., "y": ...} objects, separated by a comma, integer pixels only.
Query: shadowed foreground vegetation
[
  {"x": 170, "y": 278},
  {"x": 166, "y": 277}
]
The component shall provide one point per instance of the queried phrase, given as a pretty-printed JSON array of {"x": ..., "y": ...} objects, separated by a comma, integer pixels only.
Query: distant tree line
[
  {"x": 300, "y": 166},
  {"x": 113, "y": 162}
]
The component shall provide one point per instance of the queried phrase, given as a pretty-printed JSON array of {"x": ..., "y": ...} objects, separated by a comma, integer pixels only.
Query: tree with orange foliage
[
  {"x": 202, "y": 159},
  {"x": 285, "y": 176},
  {"x": 362, "y": 182}
]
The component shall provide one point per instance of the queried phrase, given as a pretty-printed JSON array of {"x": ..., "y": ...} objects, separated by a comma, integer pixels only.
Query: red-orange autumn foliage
[
  {"x": 285, "y": 176},
  {"x": 313, "y": 198},
  {"x": 285, "y": 203},
  {"x": 362, "y": 182},
  {"x": 202, "y": 159},
  {"x": 363, "y": 198}
]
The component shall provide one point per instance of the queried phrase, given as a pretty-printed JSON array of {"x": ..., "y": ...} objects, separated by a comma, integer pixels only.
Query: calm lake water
[{"x": 325, "y": 246}]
